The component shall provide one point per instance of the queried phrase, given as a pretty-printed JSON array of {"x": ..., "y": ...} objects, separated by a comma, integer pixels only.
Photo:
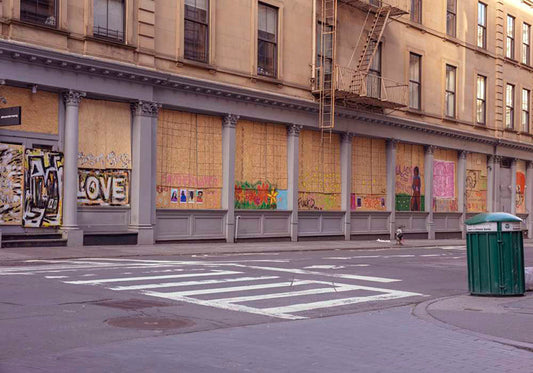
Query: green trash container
[{"x": 495, "y": 253}]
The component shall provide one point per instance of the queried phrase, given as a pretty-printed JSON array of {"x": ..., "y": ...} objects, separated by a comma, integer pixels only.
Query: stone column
[
  {"x": 461, "y": 189},
  {"x": 428, "y": 187},
  {"x": 346, "y": 182},
  {"x": 496, "y": 183},
  {"x": 529, "y": 198},
  {"x": 70, "y": 229},
  {"x": 392, "y": 146},
  {"x": 293, "y": 150},
  {"x": 490, "y": 183},
  {"x": 228, "y": 173},
  {"x": 513, "y": 187},
  {"x": 142, "y": 196}
]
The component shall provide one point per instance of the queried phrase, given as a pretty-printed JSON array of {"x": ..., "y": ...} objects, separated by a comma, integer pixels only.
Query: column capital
[
  {"x": 513, "y": 162},
  {"x": 145, "y": 108},
  {"x": 347, "y": 136},
  {"x": 73, "y": 98},
  {"x": 230, "y": 120},
  {"x": 294, "y": 129},
  {"x": 496, "y": 158},
  {"x": 430, "y": 149},
  {"x": 529, "y": 165},
  {"x": 463, "y": 154},
  {"x": 394, "y": 143}
]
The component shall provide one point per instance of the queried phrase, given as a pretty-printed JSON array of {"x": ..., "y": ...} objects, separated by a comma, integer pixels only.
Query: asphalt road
[{"x": 56, "y": 308}]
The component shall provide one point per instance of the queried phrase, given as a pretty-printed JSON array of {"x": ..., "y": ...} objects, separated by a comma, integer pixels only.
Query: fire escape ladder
[
  {"x": 327, "y": 81},
  {"x": 370, "y": 47}
]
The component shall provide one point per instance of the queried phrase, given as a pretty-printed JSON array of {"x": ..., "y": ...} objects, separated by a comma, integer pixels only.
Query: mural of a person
[{"x": 416, "y": 186}]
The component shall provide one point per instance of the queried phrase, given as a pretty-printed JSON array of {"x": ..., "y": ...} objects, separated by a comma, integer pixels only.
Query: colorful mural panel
[
  {"x": 369, "y": 174},
  {"x": 476, "y": 183},
  {"x": 319, "y": 172},
  {"x": 258, "y": 195},
  {"x": 410, "y": 178},
  {"x": 189, "y": 161},
  {"x": 444, "y": 181},
  {"x": 43, "y": 188},
  {"x": 11, "y": 184},
  {"x": 520, "y": 187},
  {"x": 103, "y": 187}
]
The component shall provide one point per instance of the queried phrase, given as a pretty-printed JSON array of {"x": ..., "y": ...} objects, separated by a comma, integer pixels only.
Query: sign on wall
[{"x": 10, "y": 116}]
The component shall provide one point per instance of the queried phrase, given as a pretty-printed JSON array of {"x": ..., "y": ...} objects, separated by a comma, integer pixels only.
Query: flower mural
[{"x": 258, "y": 195}]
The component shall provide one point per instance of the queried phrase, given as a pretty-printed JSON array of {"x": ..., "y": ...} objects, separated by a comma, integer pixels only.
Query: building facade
[{"x": 154, "y": 121}]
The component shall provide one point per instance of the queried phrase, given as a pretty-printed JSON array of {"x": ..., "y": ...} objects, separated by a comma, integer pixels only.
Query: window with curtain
[
  {"x": 482, "y": 25},
  {"x": 481, "y": 99},
  {"x": 509, "y": 50},
  {"x": 414, "y": 80},
  {"x": 196, "y": 30},
  {"x": 525, "y": 109},
  {"x": 509, "y": 106},
  {"x": 450, "y": 90},
  {"x": 267, "y": 40},
  {"x": 109, "y": 19},
  {"x": 526, "y": 35},
  {"x": 43, "y": 12}
]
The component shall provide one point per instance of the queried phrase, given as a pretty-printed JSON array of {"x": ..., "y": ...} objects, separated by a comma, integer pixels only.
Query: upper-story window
[
  {"x": 43, "y": 12},
  {"x": 109, "y": 19},
  {"x": 450, "y": 90},
  {"x": 525, "y": 109},
  {"x": 451, "y": 17},
  {"x": 373, "y": 80},
  {"x": 416, "y": 11},
  {"x": 481, "y": 99},
  {"x": 324, "y": 50},
  {"x": 482, "y": 25},
  {"x": 509, "y": 106},
  {"x": 196, "y": 30},
  {"x": 526, "y": 51},
  {"x": 509, "y": 50},
  {"x": 415, "y": 80},
  {"x": 267, "y": 40}
]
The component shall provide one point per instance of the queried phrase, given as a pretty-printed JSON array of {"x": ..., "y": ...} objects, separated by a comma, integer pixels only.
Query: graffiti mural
[
  {"x": 318, "y": 201},
  {"x": 103, "y": 187},
  {"x": 520, "y": 192},
  {"x": 409, "y": 195},
  {"x": 476, "y": 182},
  {"x": 258, "y": 195},
  {"x": 11, "y": 184},
  {"x": 43, "y": 188},
  {"x": 367, "y": 203},
  {"x": 444, "y": 186}
]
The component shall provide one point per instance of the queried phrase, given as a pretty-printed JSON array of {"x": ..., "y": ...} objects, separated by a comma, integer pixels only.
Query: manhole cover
[
  {"x": 131, "y": 304},
  {"x": 149, "y": 323}
]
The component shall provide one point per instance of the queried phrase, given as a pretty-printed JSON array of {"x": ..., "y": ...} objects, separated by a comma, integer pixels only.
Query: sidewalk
[{"x": 185, "y": 248}]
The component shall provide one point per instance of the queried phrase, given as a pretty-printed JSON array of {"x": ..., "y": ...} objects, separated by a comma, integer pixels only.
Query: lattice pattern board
[
  {"x": 369, "y": 174},
  {"x": 476, "y": 182}
]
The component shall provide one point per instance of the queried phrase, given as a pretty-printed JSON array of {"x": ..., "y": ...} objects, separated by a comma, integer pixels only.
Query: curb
[{"x": 421, "y": 311}]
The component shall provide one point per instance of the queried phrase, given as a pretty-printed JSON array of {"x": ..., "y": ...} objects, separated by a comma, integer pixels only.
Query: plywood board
[
  {"x": 476, "y": 182},
  {"x": 369, "y": 174},
  {"x": 11, "y": 184}
]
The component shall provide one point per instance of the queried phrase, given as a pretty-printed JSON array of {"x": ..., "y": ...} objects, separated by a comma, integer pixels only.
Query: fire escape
[{"x": 355, "y": 85}]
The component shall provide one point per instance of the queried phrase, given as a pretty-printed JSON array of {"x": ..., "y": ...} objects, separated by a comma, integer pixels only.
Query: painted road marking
[
  {"x": 192, "y": 283},
  {"x": 143, "y": 278}
]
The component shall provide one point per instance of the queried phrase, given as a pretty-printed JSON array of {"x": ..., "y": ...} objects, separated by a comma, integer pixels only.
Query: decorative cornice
[
  {"x": 294, "y": 130},
  {"x": 230, "y": 120},
  {"x": 72, "y": 98},
  {"x": 145, "y": 109}
]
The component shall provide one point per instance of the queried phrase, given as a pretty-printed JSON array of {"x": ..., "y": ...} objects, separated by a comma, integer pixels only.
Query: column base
[
  {"x": 145, "y": 234},
  {"x": 74, "y": 236},
  {"x": 348, "y": 226},
  {"x": 0, "y": 238},
  {"x": 294, "y": 226}
]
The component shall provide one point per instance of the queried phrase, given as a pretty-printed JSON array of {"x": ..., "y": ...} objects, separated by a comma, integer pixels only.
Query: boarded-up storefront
[{"x": 369, "y": 174}]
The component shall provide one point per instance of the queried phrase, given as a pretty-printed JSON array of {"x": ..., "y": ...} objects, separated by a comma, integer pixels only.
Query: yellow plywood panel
[
  {"x": 189, "y": 161},
  {"x": 476, "y": 182},
  {"x": 369, "y": 174},
  {"x": 104, "y": 135},
  {"x": 410, "y": 177},
  {"x": 39, "y": 110},
  {"x": 319, "y": 171},
  {"x": 520, "y": 187}
]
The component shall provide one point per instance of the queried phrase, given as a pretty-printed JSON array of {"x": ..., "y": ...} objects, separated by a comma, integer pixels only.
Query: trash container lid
[{"x": 492, "y": 217}]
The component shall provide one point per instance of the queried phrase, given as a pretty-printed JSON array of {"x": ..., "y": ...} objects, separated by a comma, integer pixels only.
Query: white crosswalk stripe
[{"x": 308, "y": 290}]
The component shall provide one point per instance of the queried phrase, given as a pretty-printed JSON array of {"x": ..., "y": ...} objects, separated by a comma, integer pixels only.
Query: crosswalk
[{"x": 263, "y": 287}]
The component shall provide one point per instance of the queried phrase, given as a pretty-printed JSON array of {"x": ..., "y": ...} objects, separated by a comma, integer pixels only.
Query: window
[
  {"x": 109, "y": 19},
  {"x": 414, "y": 80},
  {"x": 267, "y": 43},
  {"x": 451, "y": 17},
  {"x": 324, "y": 55},
  {"x": 416, "y": 11},
  {"x": 43, "y": 12},
  {"x": 481, "y": 99},
  {"x": 525, "y": 110},
  {"x": 526, "y": 33},
  {"x": 509, "y": 106},
  {"x": 196, "y": 29},
  {"x": 509, "y": 51},
  {"x": 482, "y": 25},
  {"x": 373, "y": 80},
  {"x": 450, "y": 91}
]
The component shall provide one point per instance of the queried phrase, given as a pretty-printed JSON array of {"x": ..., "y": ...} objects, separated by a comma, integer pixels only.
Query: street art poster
[
  {"x": 183, "y": 196},
  {"x": 282, "y": 200},
  {"x": 11, "y": 184},
  {"x": 410, "y": 178},
  {"x": 444, "y": 186},
  {"x": 43, "y": 188},
  {"x": 520, "y": 189},
  {"x": 199, "y": 196},
  {"x": 174, "y": 195},
  {"x": 258, "y": 195},
  {"x": 103, "y": 187},
  {"x": 367, "y": 203},
  {"x": 476, "y": 182}
]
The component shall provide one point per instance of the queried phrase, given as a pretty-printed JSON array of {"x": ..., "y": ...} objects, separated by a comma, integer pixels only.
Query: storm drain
[
  {"x": 131, "y": 304},
  {"x": 150, "y": 323}
]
